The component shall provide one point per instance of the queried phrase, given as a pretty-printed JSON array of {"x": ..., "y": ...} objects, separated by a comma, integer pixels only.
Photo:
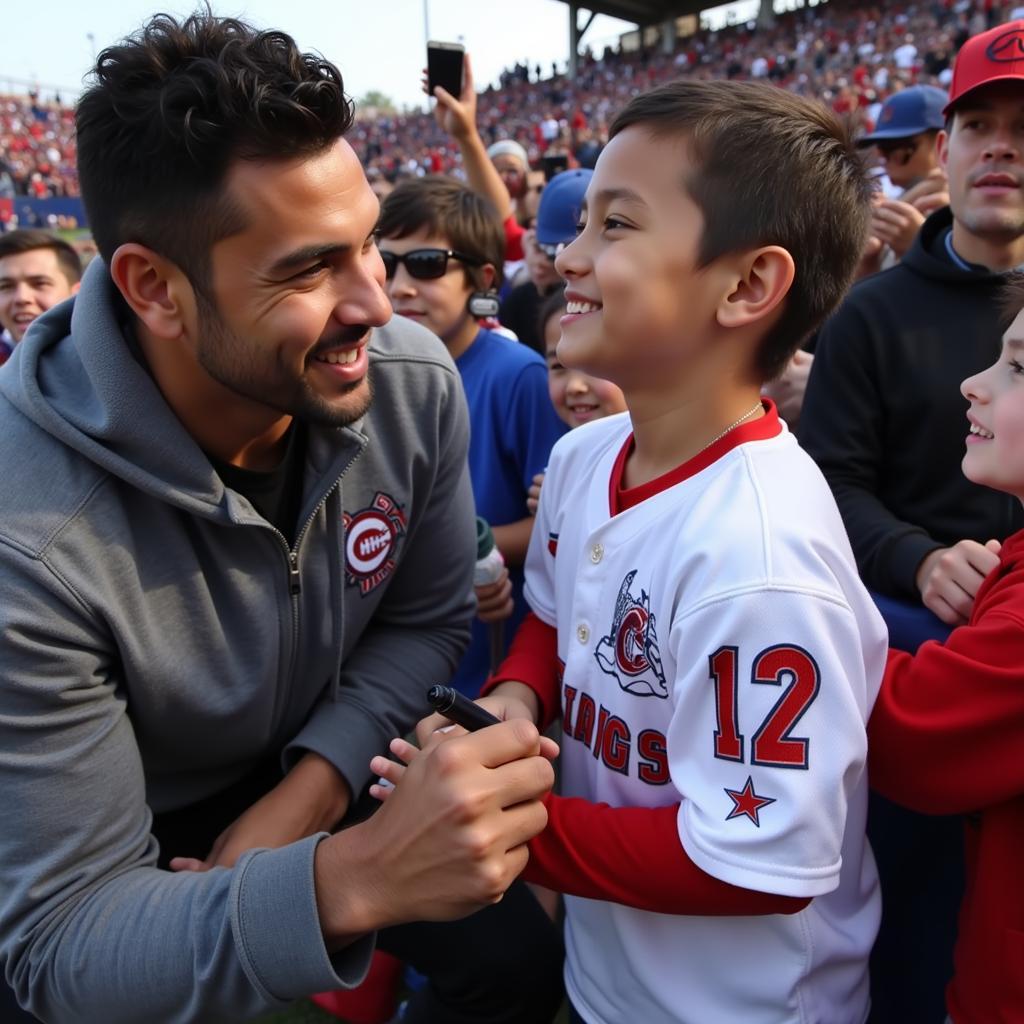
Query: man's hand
[
  {"x": 457, "y": 116},
  {"x": 533, "y": 494},
  {"x": 895, "y": 223},
  {"x": 948, "y": 578},
  {"x": 494, "y": 600},
  {"x": 450, "y": 838},
  {"x": 311, "y": 798},
  {"x": 787, "y": 390},
  {"x": 931, "y": 193}
]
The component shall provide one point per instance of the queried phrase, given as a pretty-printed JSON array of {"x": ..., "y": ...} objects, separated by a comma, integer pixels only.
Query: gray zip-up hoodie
[{"x": 158, "y": 638}]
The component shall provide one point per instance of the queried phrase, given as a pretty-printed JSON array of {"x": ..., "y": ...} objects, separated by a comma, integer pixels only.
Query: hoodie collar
[{"x": 76, "y": 377}]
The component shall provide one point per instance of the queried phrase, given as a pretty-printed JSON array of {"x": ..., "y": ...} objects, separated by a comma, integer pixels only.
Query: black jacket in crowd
[{"x": 884, "y": 418}]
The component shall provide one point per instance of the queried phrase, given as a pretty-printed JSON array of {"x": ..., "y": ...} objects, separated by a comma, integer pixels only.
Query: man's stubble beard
[{"x": 230, "y": 362}]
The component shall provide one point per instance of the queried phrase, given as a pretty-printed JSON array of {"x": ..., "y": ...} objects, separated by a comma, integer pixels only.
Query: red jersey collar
[{"x": 620, "y": 498}]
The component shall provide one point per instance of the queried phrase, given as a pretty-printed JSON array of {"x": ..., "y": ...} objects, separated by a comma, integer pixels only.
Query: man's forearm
[{"x": 481, "y": 174}]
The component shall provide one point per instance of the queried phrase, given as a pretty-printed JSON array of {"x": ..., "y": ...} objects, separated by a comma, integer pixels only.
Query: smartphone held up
[{"x": 444, "y": 67}]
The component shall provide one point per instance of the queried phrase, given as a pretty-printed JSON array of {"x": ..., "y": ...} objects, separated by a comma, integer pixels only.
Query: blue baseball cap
[
  {"x": 560, "y": 206},
  {"x": 908, "y": 112}
]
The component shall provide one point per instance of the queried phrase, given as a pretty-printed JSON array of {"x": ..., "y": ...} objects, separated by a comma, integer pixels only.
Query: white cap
[{"x": 509, "y": 147}]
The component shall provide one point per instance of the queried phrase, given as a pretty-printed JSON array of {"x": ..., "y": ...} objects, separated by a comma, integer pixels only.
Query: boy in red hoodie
[{"x": 947, "y": 732}]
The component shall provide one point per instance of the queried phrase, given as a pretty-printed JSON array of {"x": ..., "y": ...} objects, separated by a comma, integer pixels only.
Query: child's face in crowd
[
  {"x": 995, "y": 445},
  {"x": 577, "y": 397},
  {"x": 438, "y": 304},
  {"x": 632, "y": 281}
]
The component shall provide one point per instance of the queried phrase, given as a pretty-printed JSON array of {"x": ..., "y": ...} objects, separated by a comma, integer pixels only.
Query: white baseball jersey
[{"x": 720, "y": 652}]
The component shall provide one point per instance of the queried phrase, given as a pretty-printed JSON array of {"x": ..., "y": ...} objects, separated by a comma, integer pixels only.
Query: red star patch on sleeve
[{"x": 746, "y": 801}]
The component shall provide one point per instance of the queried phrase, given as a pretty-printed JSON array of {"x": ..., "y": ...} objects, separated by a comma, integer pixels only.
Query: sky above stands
[{"x": 377, "y": 44}]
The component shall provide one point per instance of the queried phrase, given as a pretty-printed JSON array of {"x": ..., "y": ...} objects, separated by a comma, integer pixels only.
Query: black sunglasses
[
  {"x": 424, "y": 264},
  {"x": 899, "y": 150}
]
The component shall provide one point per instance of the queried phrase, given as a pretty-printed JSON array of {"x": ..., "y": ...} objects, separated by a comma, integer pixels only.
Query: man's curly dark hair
[{"x": 172, "y": 107}]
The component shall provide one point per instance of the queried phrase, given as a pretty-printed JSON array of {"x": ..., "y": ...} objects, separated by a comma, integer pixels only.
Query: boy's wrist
[{"x": 519, "y": 691}]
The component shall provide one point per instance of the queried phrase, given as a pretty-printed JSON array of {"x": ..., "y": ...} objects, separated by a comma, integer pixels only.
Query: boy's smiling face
[
  {"x": 633, "y": 284},
  {"x": 995, "y": 444}
]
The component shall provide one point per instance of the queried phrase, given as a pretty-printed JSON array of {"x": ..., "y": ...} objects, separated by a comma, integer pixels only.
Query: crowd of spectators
[
  {"x": 37, "y": 147},
  {"x": 850, "y": 54}
]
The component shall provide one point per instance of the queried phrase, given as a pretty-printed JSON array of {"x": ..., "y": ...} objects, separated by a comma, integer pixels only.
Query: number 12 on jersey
[{"x": 772, "y": 744}]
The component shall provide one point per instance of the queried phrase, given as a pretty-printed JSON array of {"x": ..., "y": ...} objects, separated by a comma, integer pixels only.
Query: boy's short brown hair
[
  {"x": 769, "y": 168},
  {"x": 445, "y": 208}
]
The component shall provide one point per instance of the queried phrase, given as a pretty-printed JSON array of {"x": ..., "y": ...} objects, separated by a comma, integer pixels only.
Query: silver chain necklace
[{"x": 732, "y": 426}]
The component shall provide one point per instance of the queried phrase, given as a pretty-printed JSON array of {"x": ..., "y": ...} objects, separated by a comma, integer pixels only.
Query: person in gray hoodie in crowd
[{"x": 236, "y": 546}]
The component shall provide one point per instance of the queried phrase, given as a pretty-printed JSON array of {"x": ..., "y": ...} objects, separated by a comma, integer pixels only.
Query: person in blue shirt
[{"x": 443, "y": 246}]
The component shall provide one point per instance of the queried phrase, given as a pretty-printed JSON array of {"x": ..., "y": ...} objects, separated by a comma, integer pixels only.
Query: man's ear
[
  {"x": 489, "y": 274},
  {"x": 157, "y": 291},
  {"x": 762, "y": 280},
  {"x": 75, "y": 287},
  {"x": 942, "y": 149}
]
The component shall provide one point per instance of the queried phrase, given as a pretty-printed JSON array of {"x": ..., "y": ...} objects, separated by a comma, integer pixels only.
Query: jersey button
[
  {"x": 596, "y": 553},
  {"x": 582, "y": 633}
]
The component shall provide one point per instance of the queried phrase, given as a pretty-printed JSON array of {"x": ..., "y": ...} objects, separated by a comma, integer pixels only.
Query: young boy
[
  {"x": 947, "y": 732},
  {"x": 698, "y": 620},
  {"x": 442, "y": 247}
]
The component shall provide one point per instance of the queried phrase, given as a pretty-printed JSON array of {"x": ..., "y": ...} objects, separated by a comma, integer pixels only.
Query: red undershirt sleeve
[
  {"x": 633, "y": 856},
  {"x": 533, "y": 659}
]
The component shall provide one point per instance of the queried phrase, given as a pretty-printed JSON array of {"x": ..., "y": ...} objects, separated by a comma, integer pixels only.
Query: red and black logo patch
[
  {"x": 370, "y": 539},
  {"x": 630, "y": 651},
  {"x": 1007, "y": 48}
]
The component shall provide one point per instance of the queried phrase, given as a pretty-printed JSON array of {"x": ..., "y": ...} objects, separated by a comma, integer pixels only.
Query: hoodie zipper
[{"x": 295, "y": 586}]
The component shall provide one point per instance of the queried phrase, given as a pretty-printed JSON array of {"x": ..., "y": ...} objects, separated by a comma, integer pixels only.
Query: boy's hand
[
  {"x": 311, "y": 798},
  {"x": 457, "y": 116},
  {"x": 949, "y": 578},
  {"x": 450, "y": 838},
  {"x": 494, "y": 600},
  {"x": 507, "y": 701},
  {"x": 533, "y": 494}
]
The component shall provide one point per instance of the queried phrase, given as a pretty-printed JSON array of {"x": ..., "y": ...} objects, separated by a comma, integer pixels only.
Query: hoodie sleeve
[
  {"x": 419, "y": 631},
  {"x": 842, "y": 428},
  {"x": 90, "y": 929}
]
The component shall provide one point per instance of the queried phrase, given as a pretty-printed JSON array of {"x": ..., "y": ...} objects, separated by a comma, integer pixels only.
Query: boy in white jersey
[{"x": 697, "y": 617}]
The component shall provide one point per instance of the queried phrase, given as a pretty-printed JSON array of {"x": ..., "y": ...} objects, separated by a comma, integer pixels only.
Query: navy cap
[
  {"x": 908, "y": 112},
  {"x": 560, "y": 205}
]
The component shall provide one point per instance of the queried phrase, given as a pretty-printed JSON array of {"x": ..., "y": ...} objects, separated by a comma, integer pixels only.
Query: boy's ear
[
  {"x": 489, "y": 275},
  {"x": 762, "y": 280},
  {"x": 157, "y": 291}
]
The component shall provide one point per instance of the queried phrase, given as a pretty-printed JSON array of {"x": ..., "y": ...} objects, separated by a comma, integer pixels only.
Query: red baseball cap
[{"x": 993, "y": 56}]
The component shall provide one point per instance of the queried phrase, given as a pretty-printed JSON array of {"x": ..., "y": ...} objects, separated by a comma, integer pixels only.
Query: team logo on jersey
[
  {"x": 370, "y": 539},
  {"x": 747, "y": 803},
  {"x": 630, "y": 651},
  {"x": 553, "y": 544}
]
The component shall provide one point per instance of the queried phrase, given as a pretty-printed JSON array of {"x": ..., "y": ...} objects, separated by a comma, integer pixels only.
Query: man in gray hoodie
[{"x": 236, "y": 546}]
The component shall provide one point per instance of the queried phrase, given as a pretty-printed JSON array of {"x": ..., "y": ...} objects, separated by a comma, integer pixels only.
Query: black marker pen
[{"x": 461, "y": 710}]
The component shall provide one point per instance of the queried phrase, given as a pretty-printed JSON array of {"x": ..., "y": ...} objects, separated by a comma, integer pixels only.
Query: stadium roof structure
[{"x": 644, "y": 12}]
